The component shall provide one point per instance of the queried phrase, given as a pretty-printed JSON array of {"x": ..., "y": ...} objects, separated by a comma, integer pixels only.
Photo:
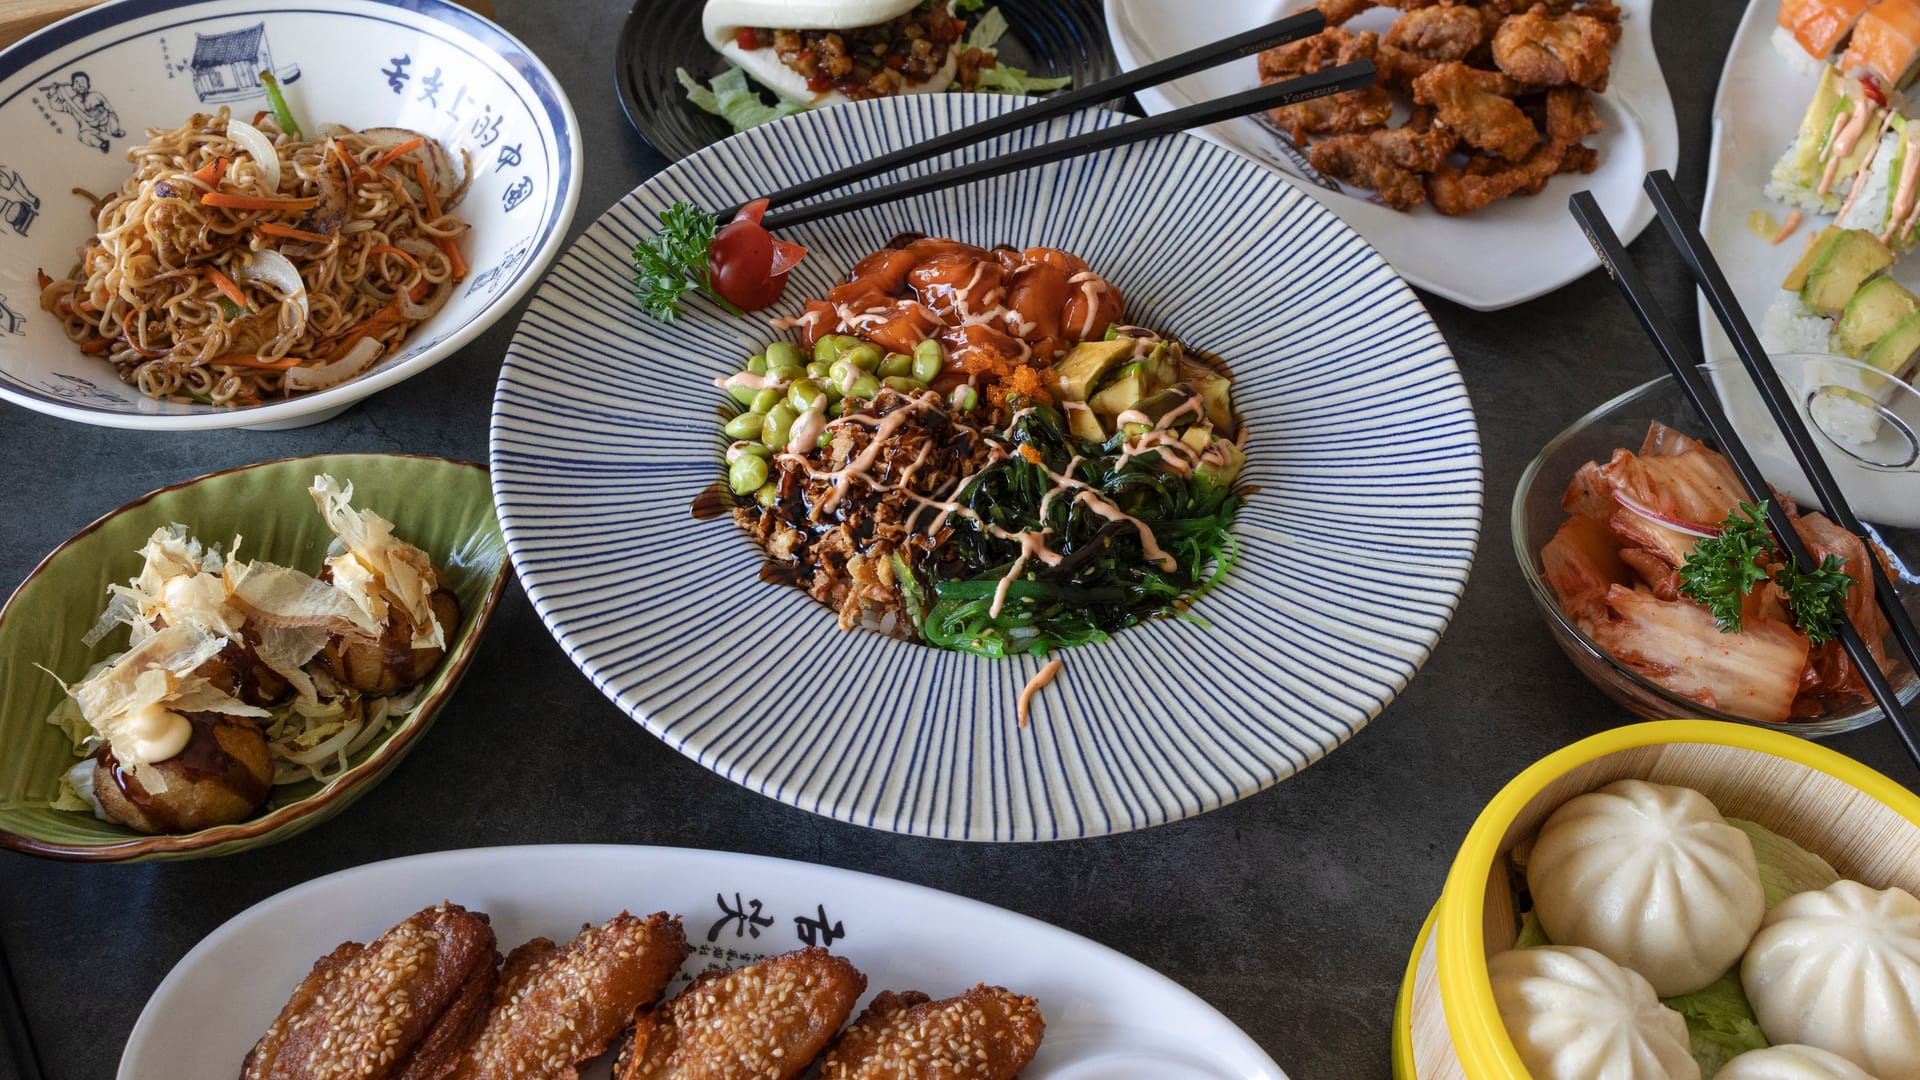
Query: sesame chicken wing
[
  {"x": 767, "y": 1021},
  {"x": 987, "y": 1033},
  {"x": 1555, "y": 50},
  {"x": 1440, "y": 33},
  {"x": 558, "y": 1006},
  {"x": 1479, "y": 107},
  {"x": 402, "y": 1007}
]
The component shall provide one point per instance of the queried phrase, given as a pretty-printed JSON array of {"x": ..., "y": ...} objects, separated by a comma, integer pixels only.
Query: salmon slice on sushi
[
  {"x": 1810, "y": 32},
  {"x": 1886, "y": 41}
]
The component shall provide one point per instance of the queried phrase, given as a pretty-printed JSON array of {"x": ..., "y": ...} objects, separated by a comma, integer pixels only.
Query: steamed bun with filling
[
  {"x": 1573, "y": 1014},
  {"x": 1653, "y": 877},
  {"x": 1840, "y": 969},
  {"x": 1790, "y": 1062}
]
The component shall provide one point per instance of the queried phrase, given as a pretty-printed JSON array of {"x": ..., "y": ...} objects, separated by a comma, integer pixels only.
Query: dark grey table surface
[{"x": 1293, "y": 912}]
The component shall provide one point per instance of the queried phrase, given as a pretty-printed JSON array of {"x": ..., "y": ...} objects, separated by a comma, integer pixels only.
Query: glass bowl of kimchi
[{"x": 1607, "y": 513}]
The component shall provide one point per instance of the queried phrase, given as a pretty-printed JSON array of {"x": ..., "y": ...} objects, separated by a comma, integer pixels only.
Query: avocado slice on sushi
[
  {"x": 1844, "y": 264},
  {"x": 1880, "y": 305},
  {"x": 1797, "y": 276},
  {"x": 1894, "y": 353}
]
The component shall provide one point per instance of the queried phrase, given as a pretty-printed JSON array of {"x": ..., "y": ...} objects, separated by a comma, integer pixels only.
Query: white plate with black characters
[
  {"x": 1106, "y": 1015},
  {"x": 1755, "y": 117},
  {"x": 1352, "y": 553},
  {"x": 75, "y": 97},
  {"x": 1506, "y": 253}
]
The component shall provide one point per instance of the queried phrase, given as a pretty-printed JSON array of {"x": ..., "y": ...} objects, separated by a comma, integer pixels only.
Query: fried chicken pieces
[
  {"x": 430, "y": 1000},
  {"x": 1499, "y": 88}
]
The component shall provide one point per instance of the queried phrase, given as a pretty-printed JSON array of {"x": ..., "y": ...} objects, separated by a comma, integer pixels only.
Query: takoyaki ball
[
  {"x": 221, "y": 776},
  {"x": 389, "y": 663},
  {"x": 237, "y": 671}
]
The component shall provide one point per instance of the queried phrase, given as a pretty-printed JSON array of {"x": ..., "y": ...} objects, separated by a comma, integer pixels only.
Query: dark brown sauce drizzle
[
  {"x": 715, "y": 501},
  {"x": 201, "y": 760}
]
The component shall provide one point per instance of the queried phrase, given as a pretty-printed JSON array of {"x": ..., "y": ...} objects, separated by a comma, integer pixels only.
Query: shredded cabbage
[
  {"x": 730, "y": 99},
  {"x": 987, "y": 32},
  {"x": 1002, "y": 79}
]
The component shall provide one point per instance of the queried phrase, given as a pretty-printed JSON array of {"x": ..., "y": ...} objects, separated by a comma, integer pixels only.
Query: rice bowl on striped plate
[{"x": 1361, "y": 482}]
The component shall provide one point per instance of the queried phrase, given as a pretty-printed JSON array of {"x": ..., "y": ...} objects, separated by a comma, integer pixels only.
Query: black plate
[{"x": 1045, "y": 37}]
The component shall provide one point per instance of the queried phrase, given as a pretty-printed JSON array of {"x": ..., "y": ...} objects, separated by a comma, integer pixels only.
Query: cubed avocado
[
  {"x": 1226, "y": 466},
  {"x": 1880, "y": 305},
  {"x": 1177, "y": 406},
  {"x": 1120, "y": 395},
  {"x": 1082, "y": 423},
  {"x": 1215, "y": 389},
  {"x": 1198, "y": 436},
  {"x": 1080, "y": 371},
  {"x": 1894, "y": 353},
  {"x": 1797, "y": 276},
  {"x": 1845, "y": 263}
]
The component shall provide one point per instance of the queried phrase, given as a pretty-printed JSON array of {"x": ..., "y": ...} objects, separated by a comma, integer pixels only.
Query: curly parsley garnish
[
  {"x": 1721, "y": 570},
  {"x": 674, "y": 262}
]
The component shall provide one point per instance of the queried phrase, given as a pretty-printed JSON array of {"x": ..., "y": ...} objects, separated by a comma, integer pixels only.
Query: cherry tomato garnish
[{"x": 747, "y": 264}]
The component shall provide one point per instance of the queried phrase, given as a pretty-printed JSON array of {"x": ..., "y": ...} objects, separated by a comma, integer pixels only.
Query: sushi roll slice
[
  {"x": 1885, "y": 199},
  {"x": 1886, "y": 41},
  {"x": 1841, "y": 127},
  {"x": 1811, "y": 31}
]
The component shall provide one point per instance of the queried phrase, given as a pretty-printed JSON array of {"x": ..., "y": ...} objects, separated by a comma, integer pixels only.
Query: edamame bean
[
  {"x": 894, "y": 363},
  {"x": 778, "y": 425},
  {"x": 747, "y": 474},
  {"x": 757, "y": 364},
  {"x": 966, "y": 398},
  {"x": 765, "y": 399},
  {"x": 743, "y": 394},
  {"x": 741, "y": 447},
  {"x": 929, "y": 355},
  {"x": 820, "y": 370},
  {"x": 863, "y": 356},
  {"x": 745, "y": 426},
  {"x": 830, "y": 346},
  {"x": 783, "y": 377},
  {"x": 840, "y": 373},
  {"x": 768, "y": 494},
  {"x": 784, "y": 354},
  {"x": 926, "y": 368},
  {"x": 806, "y": 394},
  {"x": 862, "y": 386},
  {"x": 904, "y": 385}
]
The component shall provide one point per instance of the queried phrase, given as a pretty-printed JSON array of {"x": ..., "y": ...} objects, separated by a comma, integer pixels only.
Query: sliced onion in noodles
[
  {"x": 358, "y": 359},
  {"x": 255, "y": 142},
  {"x": 272, "y": 268}
]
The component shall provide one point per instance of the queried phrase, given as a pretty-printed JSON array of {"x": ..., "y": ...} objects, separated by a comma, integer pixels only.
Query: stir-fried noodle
[{"x": 209, "y": 279}]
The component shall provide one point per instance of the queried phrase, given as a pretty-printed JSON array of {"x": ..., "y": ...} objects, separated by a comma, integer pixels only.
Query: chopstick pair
[
  {"x": 1677, "y": 351},
  {"x": 1353, "y": 76}
]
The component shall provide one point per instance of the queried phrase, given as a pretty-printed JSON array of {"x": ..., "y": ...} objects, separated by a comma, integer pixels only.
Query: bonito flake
[{"x": 377, "y": 569}]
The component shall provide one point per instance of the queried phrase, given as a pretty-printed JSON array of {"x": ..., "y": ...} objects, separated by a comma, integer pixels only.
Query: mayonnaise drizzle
[
  {"x": 1040, "y": 678},
  {"x": 1845, "y": 139},
  {"x": 1859, "y": 178},
  {"x": 1900, "y": 216}
]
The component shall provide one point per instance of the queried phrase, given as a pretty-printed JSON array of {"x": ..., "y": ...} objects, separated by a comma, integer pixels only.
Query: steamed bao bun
[
  {"x": 1791, "y": 1062},
  {"x": 1573, "y": 1014},
  {"x": 1840, "y": 969},
  {"x": 1651, "y": 876}
]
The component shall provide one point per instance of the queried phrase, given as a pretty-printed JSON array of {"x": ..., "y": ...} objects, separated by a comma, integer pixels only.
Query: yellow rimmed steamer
[{"x": 1446, "y": 1026}]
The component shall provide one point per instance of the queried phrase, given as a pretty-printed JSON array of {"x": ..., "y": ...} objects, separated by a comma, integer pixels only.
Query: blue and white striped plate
[{"x": 1353, "y": 552}]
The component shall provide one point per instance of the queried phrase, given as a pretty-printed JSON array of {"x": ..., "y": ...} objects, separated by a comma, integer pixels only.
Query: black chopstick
[
  {"x": 13, "y": 1026},
  {"x": 1706, "y": 272},
  {"x": 1334, "y": 80},
  {"x": 1292, "y": 28},
  {"x": 1677, "y": 352}
]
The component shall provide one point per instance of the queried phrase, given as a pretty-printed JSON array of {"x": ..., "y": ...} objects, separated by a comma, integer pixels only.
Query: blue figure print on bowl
[{"x": 77, "y": 96}]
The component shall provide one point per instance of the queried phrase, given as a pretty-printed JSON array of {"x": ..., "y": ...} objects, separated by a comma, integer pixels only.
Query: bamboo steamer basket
[{"x": 1446, "y": 1026}]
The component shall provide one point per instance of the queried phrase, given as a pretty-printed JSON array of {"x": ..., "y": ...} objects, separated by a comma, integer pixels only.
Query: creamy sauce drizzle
[
  {"x": 1844, "y": 140},
  {"x": 1900, "y": 217},
  {"x": 1041, "y": 678},
  {"x": 1791, "y": 223}
]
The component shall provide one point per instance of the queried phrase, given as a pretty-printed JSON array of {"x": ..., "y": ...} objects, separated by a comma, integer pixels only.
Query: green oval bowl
[{"x": 445, "y": 507}]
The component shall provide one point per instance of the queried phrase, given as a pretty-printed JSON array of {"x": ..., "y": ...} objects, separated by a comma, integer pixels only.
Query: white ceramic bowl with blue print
[
  {"x": 1352, "y": 553},
  {"x": 75, "y": 96}
]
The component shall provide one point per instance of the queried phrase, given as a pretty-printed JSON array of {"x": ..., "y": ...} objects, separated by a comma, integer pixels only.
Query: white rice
[
  {"x": 1788, "y": 327},
  {"x": 1785, "y": 184},
  {"x": 1796, "y": 57}
]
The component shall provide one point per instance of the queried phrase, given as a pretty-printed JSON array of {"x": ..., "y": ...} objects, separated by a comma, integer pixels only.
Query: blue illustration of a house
[{"x": 227, "y": 66}]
